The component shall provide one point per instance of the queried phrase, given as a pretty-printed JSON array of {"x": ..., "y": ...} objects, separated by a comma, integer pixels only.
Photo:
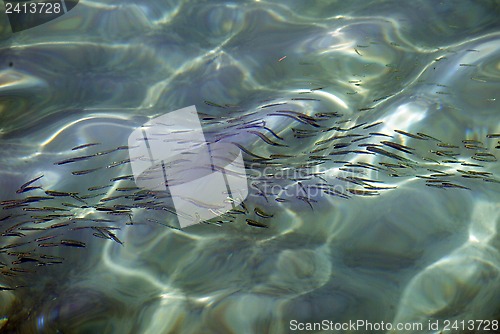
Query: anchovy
[
  {"x": 25, "y": 259},
  {"x": 410, "y": 135},
  {"x": 471, "y": 141},
  {"x": 303, "y": 99},
  {"x": 32, "y": 228},
  {"x": 265, "y": 139},
  {"x": 272, "y": 105},
  {"x": 380, "y": 134},
  {"x": 340, "y": 152},
  {"x": 241, "y": 118},
  {"x": 299, "y": 135},
  {"x": 123, "y": 177},
  {"x": 127, "y": 188},
  {"x": 473, "y": 172},
  {"x": 307, "y": 200},
  {"x": 213, "y": 104},
  {"x": 49, "y": 263},
  {"x": 202, "y": 204},
  {"x": 378, "y": 188},
  {"x": 46, "y": 238},
  {"x": 359, "y": 139},
  {"x": 255, "y": 223},
  {"x": 280, "y": 156},
  {"x": 26, "y": 189},
  {"x": 118, "y": 163},
  {"x": 350, "y": 179},
  {"x": 58, "y": 225},
  {"x": 354, "y": 127},
  {"x": 363, "y": 192},
  {"x": 386, "y": 153},
  {"x": 485, "y": 157},
  {"x": 84, "y": 146},
  {"x": 14, "y": 206},
  {"x": 473, "y": 146},
  {"x": 21, "y": 270},
  {"x": 111, "y": 198},
  {"x": 447, "y": 153},
  {"x": 250, "y": 124},
  {"x": 86, "y": 171},
  {"x": 48, "y": 244},
  {"x": 272, "y": 132},
  {"x": 466, "y": 164},
  {"x": 328, "y": 114},
  {"x": 13, "y": 202},
  {"x": 236, "y": 212},
  {"x": 14, "y": 245},
  {"x": 99, "y": 187},
  {"x": 300, "y": 117},
  {"x": 224, "y": 136},
  {"x": 105, "y": 233},
  {"x": 22, "y": 202},
  {"x": 391, "y": 165},
  {"x": 72, "y": 243},
  {"x": 248, "y": 152},
  {"x": 101, "y": 235},
  {"x": 318, "y": 158},
  {"x": 444, "y": 185},
  {"x": 398, "y": 147},
  {"x": 24, "y": 186},
  {"x": 382, "y": 98},
  {"x": 423, "y": 135},
  {"x": 446, "y": 145},
  {"x": 125, "y": 147},
  {"x": 45, "y": 208},
  {"x": 262, "y": 214},
  {"x": 13, "y": 234},
  {"x": 92, "y": 196},
  {"x": 363, "y": 165},
  {"x": 71, "y": 160}
]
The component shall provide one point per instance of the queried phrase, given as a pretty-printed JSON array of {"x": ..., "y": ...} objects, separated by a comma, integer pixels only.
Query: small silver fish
[
  {"x": 84, "y": 146},
  {"x": 72, "y": 243},
  {"x": 75, "y": 159},
  {"x": 363, "y": 192},
  {"x": 262, "y": 214},
  {"x": 407, "y": 134},
  {"x": 24, "y": 186},
  {"x": 255, "y": 223},
  {"x": 85, "y": 171},
  {"x": 398, "y": 147}
]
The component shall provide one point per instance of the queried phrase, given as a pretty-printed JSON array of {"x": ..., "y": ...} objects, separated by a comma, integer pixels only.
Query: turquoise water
[{"x": 370, "y": 133}]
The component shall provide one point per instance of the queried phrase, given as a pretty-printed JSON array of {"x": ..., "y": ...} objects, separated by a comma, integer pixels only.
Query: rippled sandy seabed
[{"x": 398, "y": 234}]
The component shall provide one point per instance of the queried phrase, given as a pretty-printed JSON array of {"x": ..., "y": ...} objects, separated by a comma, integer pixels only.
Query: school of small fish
[{"x": 37, "y": 218}]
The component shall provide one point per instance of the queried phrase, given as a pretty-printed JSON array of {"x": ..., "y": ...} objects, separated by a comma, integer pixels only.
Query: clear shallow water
[{"x": 412, "y": 253}]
